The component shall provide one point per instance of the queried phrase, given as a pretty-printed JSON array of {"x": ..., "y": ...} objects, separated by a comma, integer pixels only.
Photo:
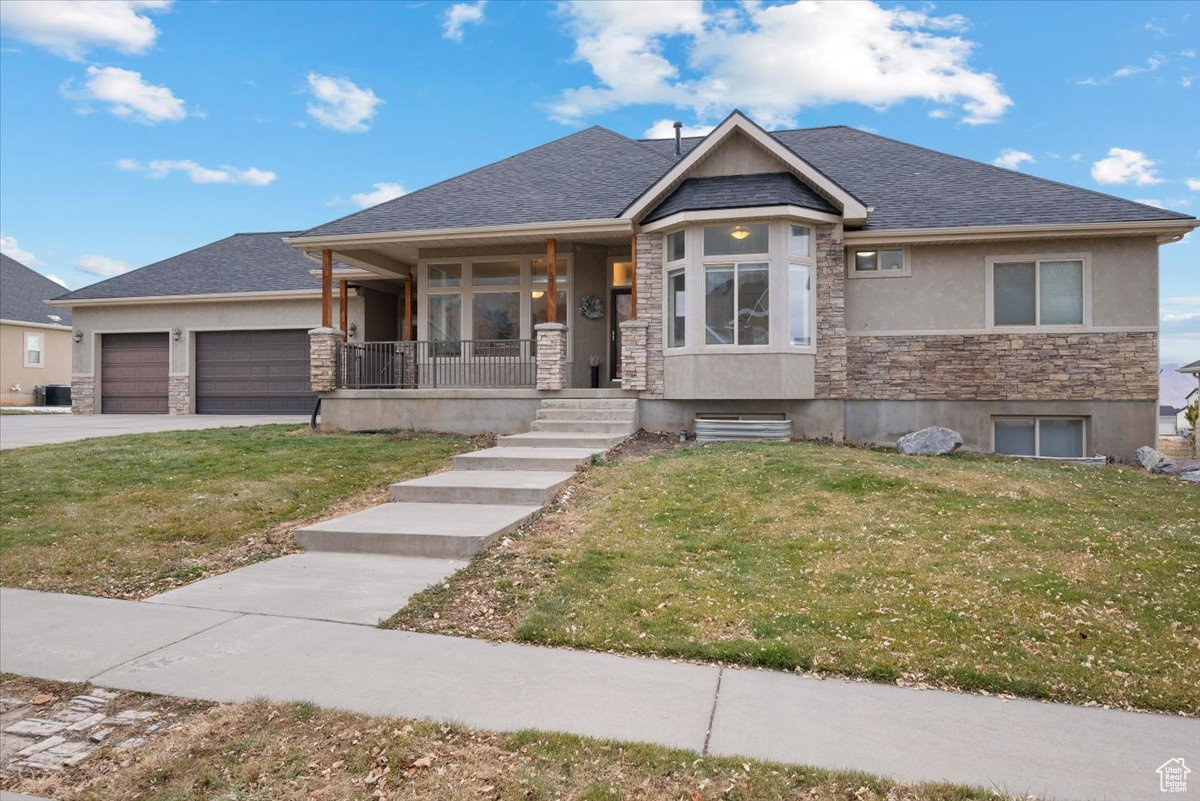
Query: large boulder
[
  {"x": 932, "y": 441},
  {"x": 1147, "y": 457},
  {"x": 1193, "y": 476},
  {"x": 1172, "y": 468}
]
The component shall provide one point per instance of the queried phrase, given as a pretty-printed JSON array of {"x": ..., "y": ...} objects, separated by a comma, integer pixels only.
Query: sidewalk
[{"x": 1016, "y": 746}]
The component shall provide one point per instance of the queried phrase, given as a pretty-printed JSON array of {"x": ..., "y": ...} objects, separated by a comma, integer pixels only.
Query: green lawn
[
  {"x": 1038, "y": 579},
  {"x": 130, "y": 516}
]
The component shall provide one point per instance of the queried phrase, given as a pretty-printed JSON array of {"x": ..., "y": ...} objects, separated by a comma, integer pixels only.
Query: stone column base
[
  {"x": 551, "y": 355},
  {"x": 322, "y": 356},
  {"x": 83, "y": 394},
  {"x": 179, "y": 394},
  {"x": 634, "y": 355}
]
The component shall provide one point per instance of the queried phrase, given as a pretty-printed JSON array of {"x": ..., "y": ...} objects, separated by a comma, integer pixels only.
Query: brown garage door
[
  {"x": 253, "y": 372},
  {"x": 133, "y": 373}
]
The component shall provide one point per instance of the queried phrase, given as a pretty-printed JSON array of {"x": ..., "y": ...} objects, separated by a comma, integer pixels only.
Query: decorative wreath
[{"x": 591, "y": 307}]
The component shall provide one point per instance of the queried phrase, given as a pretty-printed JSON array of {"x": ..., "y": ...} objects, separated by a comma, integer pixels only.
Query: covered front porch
[{"x": 497, "y": 311}]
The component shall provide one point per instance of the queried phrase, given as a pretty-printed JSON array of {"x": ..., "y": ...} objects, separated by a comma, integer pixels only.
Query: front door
[{"x": 622, "y": 307}]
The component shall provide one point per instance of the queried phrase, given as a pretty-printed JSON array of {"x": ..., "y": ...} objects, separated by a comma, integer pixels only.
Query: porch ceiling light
[
  {"x": 537, "y": 293},
  {"x": 739, "y": 232}
]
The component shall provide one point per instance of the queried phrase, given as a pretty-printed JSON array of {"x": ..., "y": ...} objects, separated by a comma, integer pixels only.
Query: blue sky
[{"x": 135, "y": 130}]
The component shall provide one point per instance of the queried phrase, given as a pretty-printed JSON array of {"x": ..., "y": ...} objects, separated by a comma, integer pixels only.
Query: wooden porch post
[
  {"x": 327, "y": 288},
  {"x": 408, "y": 307},
  {"x": 633, "y": 277},
  {"x": 552, "y": 280},
  {"x": 343, "y": 294}
]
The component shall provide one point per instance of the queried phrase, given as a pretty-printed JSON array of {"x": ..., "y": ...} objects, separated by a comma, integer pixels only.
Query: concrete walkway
[
  {"x": 1017, "y": 746},
  {"x": 23, "y": 430}
]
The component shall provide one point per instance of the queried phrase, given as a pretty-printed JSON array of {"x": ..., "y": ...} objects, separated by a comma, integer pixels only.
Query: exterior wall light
[
  {"x": 176, "y": 334},
  {"x": 77, "y": 336},
  {"x": 352, "y": 329}
]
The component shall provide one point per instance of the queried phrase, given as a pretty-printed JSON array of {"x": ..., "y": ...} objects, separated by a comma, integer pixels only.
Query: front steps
[{"x": 488, "y": 493}]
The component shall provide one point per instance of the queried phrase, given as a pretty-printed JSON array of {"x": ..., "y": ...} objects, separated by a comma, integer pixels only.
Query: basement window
[{"x": 1049, "y": 437}]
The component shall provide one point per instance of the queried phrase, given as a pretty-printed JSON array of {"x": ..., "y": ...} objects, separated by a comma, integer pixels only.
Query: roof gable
[
  {"x": 739, "y": 125},
  {"x": 255, "y": 262},
  {"x": 24, "y": 292}
]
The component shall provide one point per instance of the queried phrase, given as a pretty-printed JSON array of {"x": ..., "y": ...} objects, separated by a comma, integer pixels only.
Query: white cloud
[
  {"x": 460, "y": 15},
  {"x": 1158, "y": 204},
  {"x": 1193, "y": 184},
  {"x": 1153, "y": 26},
  {"x": 70, "y": 28},
  {"x": 1188, "y": 53},
  {"x": 1152, "y": 64},
  {"x": 1178, "y": 317},
  {"x": 57, "y": 280},
  {"x": 128, "y": 96},
  {"x": 200, "y": 174},
  {"x": 1124, "y": 167},
  {"x": 772, "y": 60},
  {"x": 10, "y": 248},
  {"x": 1183, "y": 300},
  {"x": 340, "y": 104},
  {"x": 1013, "y": 159},
  {"x": 381, "y": 192},
  {"x": 665, "y": 129},
  {"x": 102, "y": 265}
]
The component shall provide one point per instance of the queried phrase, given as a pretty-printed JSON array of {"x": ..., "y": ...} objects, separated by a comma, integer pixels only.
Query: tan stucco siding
[
  {"x": 738, "y": 155},
  {"x": 16, "y": 380},
  {"x": 947, "y": 290},
  {"x": 94, "y": 321}
]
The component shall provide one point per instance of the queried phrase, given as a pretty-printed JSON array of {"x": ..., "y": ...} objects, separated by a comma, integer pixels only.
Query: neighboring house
[
  {"x": 1182, "y": 425},
  {"x": 1168, "y": 420},
  {"x": 860, "y": 286},
  {"x": 35, "y": 339},
  {"x": 221, "y": 329},
  {"x": 1192, "y": 369}
]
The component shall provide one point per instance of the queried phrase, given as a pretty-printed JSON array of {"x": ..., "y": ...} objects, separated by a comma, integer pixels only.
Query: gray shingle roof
[
  {"x": 257, "y": 262},
  {"x": 593, "y": 174},
  {"x": 1167, "y": 411},
  {"x": 740, "y": 191},
  {"x": 23, "y": 295}
]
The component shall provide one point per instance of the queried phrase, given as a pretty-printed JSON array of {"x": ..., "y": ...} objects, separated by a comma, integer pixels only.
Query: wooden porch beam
[
  {"x": 343, "y": 311},
  {"x": 552, "y": 280},
  {"x": 633, "y": 277},
  {"x": 327, "y": 288},
  {"x": 408, "y": 307}
]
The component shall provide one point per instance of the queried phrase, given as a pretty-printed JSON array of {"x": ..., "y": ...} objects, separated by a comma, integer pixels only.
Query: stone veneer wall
[
  {"x": 830, "y": 376},
  {"x": 322, "y": 358},
  {"x": 1002, "y": 366},
  {"x": 551, "y": 355},
  {"x": 649, "y": 308},
  {"x": 179, "y": 394},
  {"x": 83, "y": 394}
]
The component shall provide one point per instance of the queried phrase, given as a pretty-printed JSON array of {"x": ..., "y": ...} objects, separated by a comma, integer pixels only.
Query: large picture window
[
  {"x": 1038, "y": 292},
  {"x": 737, "y": 304}
]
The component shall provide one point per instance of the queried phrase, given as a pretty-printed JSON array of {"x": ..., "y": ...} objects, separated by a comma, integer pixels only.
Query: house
[
  {"x": 1182, "y": 425},
  {"x": 1168, "y": 420},
  {"x": 222, "y": 329},
  {"x": 35, "y": 339},
  {"x": 860, "y": 286}
]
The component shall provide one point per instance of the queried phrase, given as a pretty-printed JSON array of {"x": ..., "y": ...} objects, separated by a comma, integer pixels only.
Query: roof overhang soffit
[{"x": 854, "y": 211}]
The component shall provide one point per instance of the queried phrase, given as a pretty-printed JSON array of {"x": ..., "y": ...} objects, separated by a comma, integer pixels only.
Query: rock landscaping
[{"x": 931, "y": 441}]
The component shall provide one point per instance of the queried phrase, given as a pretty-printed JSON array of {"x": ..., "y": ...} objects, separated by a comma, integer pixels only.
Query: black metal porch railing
[{"x": 427, "y": 365}]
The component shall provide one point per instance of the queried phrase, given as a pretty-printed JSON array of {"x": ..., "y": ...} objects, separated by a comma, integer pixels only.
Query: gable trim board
[
  {"x": 854, "y": 210},
  {"x": 46, "y": 326},
  {"x": 566, "y": 228},
  {"x": 134, "y": 300}
]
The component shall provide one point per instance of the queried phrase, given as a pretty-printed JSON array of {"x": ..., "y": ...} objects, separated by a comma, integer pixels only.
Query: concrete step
[
  {"x": 584, "y": 426},
  {"x": 556, "y": 439},
  {"x": 441, "y": 530},
  {"x": 625, "y": 415},
  {"x": 590, "y": 403},
  {"x": 482, "y": 486},
  {"x": 525, "y": 458}
]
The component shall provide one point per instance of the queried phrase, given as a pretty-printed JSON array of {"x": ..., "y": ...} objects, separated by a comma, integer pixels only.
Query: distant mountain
[{"x": 1173, "y": 386}]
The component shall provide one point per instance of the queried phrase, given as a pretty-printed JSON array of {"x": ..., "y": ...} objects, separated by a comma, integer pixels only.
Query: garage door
[
  {"x": 133, "y": 373},
  {"x": 253, "y": 372}
]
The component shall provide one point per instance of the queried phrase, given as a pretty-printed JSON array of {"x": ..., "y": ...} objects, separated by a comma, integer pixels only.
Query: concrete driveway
[{"x": 23, "y": 430}]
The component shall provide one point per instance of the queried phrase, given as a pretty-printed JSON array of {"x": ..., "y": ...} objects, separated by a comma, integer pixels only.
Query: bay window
[
  {"x": 1037, "y": 291},
  {"x": 800, "y": 300},
  {"x": 676, "y": 306}
]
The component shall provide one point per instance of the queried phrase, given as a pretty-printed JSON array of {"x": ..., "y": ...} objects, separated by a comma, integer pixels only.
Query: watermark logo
[{"x": 1172, "y": 776}]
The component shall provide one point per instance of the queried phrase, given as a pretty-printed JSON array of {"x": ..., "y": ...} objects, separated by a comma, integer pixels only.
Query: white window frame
[
  {"x": 904, "y": 272},
  {"x": 779, "y": 262},
  {"x": 1037, "y": 259},
  {"x": 1037, "y": 419},
  {"x": 41, "y": 350},
  {"x": 468, "y": 290}
]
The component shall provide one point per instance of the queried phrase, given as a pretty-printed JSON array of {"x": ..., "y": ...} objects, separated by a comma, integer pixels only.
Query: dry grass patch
[
  {"x": 131, "y": 516},
  {"x": 299, "y": 752},
  {"x": 1037, "y": 579}
]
